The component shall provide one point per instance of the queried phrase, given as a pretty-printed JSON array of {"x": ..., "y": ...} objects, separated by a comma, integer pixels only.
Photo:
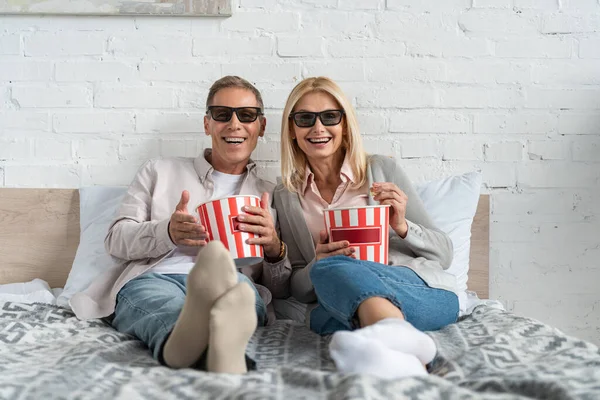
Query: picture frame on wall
[{"x": 184, "y": 8}]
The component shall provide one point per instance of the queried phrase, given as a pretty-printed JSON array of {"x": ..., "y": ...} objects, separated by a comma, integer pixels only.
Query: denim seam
[{"x": 142, "y": 311}]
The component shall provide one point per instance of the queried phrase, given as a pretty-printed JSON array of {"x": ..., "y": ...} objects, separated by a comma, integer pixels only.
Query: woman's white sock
[
  {"x": 353, "y": 353},
  {"x": 398, "y": 334}
]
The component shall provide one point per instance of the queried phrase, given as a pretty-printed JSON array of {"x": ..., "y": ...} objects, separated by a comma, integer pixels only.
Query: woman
[{"x": 388, "y": 306}]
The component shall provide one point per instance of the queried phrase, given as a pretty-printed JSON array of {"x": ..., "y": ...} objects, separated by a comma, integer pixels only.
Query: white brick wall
[{"x": 507, "y": 87}]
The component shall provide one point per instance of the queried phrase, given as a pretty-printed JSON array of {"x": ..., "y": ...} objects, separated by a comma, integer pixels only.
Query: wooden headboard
[{"x": 39, "y": 234}]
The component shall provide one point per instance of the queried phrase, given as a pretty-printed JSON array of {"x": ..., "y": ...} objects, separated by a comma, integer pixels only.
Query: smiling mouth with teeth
[
  {"x": 234, "y": 140},
  {"x": 319, "y": 140}
]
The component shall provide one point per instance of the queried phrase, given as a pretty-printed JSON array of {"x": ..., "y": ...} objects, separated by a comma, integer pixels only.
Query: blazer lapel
[{"x": 292, "y": 210}]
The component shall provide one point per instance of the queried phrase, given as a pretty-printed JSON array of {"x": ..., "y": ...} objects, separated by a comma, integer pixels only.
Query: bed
[{"x": 48, "y": 353}]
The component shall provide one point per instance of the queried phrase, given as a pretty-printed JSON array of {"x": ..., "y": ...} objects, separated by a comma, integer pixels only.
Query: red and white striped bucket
[
  {"x": 366, "y": 228},
  {"x": 219, "y": 217}
]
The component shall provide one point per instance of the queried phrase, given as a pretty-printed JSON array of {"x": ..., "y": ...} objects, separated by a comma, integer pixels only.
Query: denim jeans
[
  {"x": 149, "y": 305},
  {"x": 343, "y": 283}
]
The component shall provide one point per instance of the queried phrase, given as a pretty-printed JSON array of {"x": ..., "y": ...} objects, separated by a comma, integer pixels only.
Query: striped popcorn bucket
[
  {"x": 366, "y": 228},
  {"x": 219, "y": 217}
]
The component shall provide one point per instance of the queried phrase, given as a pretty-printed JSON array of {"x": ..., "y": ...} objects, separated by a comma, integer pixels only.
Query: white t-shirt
[{"x": 181, "y": 260}]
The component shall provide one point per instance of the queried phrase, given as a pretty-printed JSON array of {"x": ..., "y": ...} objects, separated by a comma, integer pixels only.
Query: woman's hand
[
  {"x": 259, "y": 221},
  {"x": 387, "y": 193},
  {"x": 325, "y": 249}
]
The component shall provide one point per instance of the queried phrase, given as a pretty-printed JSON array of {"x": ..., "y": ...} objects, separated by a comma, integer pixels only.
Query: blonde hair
[{"x": 293, "y": 159}]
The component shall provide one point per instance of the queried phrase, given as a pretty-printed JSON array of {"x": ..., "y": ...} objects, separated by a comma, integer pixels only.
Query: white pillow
[
  {"x": 35, "y": 291},
  {"x": 451, "y": 203},
  {"x": 98, "y": 208}
]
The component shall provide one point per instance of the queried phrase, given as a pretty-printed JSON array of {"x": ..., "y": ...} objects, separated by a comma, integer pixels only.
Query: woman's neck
[{"x": 327, "y": 174}]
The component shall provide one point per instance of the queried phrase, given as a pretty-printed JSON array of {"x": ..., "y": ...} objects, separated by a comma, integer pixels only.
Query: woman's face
[{"x": 319, "y": 142}]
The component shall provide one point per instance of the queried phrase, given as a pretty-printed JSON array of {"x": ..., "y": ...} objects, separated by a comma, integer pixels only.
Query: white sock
[
  {"x": 398, "y": 334},
  {"x": 213, "y": 275},
  {"x": 232, "y": 323},
  {"x": 354, "y": 353}
]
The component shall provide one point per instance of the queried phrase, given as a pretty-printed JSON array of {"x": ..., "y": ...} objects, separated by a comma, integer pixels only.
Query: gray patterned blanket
[{"x": 46, "y": 353}]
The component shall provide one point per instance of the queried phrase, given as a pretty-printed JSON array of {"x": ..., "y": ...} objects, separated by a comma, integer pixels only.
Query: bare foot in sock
[
  {"x": 232, "y": 322},
  {"x": 213, "y": 275},
  {"x": 398, "y": 334},
  {"x": 353, "y": 353}
]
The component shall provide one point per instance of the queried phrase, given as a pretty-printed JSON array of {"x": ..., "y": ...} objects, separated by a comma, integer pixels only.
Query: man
[{"x": 191, "y": 307}]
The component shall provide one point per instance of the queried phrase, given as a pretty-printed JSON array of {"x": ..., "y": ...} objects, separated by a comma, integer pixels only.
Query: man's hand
[
  {"x": 325, "y": 249},
  {"x": 184, "y": 228},
  {"x": 259, "y": 221}
]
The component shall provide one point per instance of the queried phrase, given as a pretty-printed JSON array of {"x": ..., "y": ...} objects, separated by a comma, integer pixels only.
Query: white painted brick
[
  {"x": 269, "y": 171},
  {"x": 406, "y": 69},
  {"x": 386, "y": 147},
  {"x": 320, "y": 3},
  {"x": 192, "y": 97},
  {"x": 538, "y": 47},
  {"x": 499, "y": 174},
  {"x": 14, "y": 149},
  {"x": 478, "y": 97},
  {"x": 275, "y": 98},
  {"x": 449, "y": 47},
  {"x": 94, "y": 122},
  {"x": 25, "y": 120},
  {"x": 97, "y": 149},
  {"x": 543, "y": 232},
  {"x": 354, "y": 24},
  {"x": 341, "y": 48},
  {"x": 265, "y": 72},
  {"x": 168, "y": 25},
  {"x": 462, "y": 148},
  {"x": 548, "y": 150},
  {"x": 544, "y": 205},
  {"x": 499, "y": 23},
  {"x": 418, "y": 148},
  {"x": 519, "y": 124},
  {"x": 273, "y": 123},
  {"x": 484, "y": 71},
  {"x": 579, "y": 98},
  {"x": 579, "y": 124},
  {"x": 339, "y": 71},
  {"x": 139, "y": 150},
  {"x": 360, "y": 4},
  {"x": 267, "y": 151},
  {"x": 180, "y": 72},
  {"x": 578, "y": 6},
  {"x": 571, "y": 23},
  {"x": 589, "y": 48},
  {"x": 17, "y": 71},
  {"x": 270, "y": 22},
  {"x": 372, "y": 123},
  {"x": 110, "y": 175},
  {"x": 53, "y": 149},
  {"x": 163, "y": 46},
  {"x": 411, "y": 26},
  {"x": 2, "y": 184},
  {"x": 178, "y": 148},
  {"x": 169, "y": 122},
  {"x": 537, "y": 4},
  {"x": 504, "y": 151},
  {"x": 300, "y": 46},
  {"x": 492, "y": 3},
  {"x": 552, "y": 174},
  {"x": 567, "y": 72},
  {"x": 10, "y": 44},
  {"x": 401, "y": 97},
  {"x": 95, "y": 71},
  {"x": 428, "y": 121},
  {"x": 416, "y": 5},
  {"x": 587, "y": 150},
  {"x": 52, "y": 96},
  {"x": 52, "y": 176},
  {"x": 232, "y": 47},
  {"x": 134, "y": 97},
  {"x": 262, "y": 4},
  {"x": 207, "y": 27},
  {"x": 65, "y": 24},
  {"x": 63, "y": 44}
]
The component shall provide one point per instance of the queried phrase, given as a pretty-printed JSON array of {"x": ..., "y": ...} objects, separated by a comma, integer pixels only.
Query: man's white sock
[
  {"x": 353, "y": 353},
  {"x": 398, "y": 334}
]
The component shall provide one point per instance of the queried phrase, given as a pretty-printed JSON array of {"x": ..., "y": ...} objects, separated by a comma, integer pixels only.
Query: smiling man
[{"x": 181, "y": 296}]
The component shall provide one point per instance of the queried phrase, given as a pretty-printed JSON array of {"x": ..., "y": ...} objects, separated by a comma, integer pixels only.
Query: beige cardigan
[
  {"x": 426, "y": 250},
  {"x": 138, "y": 239}
]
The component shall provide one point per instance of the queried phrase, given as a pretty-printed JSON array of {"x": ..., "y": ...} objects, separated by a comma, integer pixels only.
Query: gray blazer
[{"x": 426, "y": 250}]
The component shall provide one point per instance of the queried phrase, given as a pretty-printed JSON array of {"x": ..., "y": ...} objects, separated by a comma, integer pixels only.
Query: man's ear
[
  {"x": 206, "y": 119},
  {"x": 263, "y": 126}
]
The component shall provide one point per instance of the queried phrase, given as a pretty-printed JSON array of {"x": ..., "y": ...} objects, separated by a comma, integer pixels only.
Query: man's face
[{"x": 233, "y": 141}]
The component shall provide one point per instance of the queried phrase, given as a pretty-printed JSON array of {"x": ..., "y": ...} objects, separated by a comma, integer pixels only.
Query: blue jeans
[
  {"x": 343, "y": 283},
  {"x": 149, "y": 305}
]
